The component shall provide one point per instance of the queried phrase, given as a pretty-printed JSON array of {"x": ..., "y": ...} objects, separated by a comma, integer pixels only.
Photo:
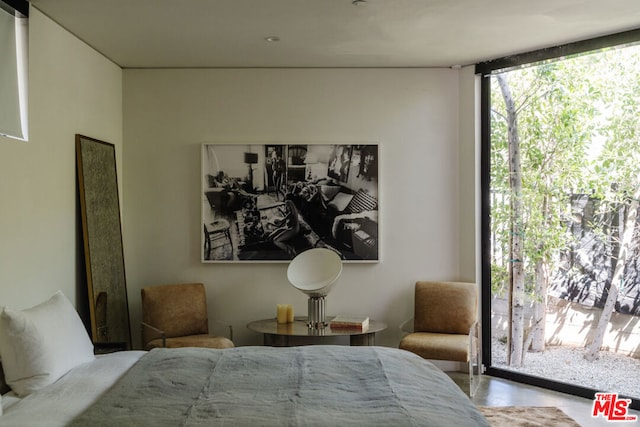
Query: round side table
[{"x": 279, "y": 334}]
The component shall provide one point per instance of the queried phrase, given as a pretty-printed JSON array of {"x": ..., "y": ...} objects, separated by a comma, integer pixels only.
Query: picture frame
[
  {"x": 102, "y": 243},
  {"x": 268, "y": 202}
]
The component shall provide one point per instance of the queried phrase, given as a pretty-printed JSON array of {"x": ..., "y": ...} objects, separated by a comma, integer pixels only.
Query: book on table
[{"x": 350, "y": 322}]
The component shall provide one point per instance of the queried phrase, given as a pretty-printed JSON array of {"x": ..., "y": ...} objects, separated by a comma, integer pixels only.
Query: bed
[
  {"x": 59, "y": 403},
  {"x": 297, "y": 386}
]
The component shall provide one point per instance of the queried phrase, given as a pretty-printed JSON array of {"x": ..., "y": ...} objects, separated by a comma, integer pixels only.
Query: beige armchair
[
  {"x": 446, "y": 327},
  {"x": 176, "y": 316}
]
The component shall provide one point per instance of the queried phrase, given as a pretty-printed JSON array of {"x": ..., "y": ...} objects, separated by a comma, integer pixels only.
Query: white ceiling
[{"x": 332, "y": 33}]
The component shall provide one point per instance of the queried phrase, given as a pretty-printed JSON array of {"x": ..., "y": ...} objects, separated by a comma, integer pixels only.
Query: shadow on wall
[{"x": 572, "y": 324}]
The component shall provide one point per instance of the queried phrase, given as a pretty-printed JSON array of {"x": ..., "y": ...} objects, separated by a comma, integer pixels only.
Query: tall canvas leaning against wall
[
  {"x": 102, "y": 237},
  {"x": 270, "y": 202}
]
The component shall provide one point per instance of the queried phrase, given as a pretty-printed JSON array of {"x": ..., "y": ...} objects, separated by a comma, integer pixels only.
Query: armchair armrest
[
  {"x": 406, "y": 327},
  {"x": 473, "y": 329},
  {"x": 153, "y": 330},
  {"x": 475, "y": 349},
  {"x": 226, "y": 325}
]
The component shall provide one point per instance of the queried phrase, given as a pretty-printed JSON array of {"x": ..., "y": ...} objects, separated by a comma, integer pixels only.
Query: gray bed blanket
[{"x": 296, "y": 386}]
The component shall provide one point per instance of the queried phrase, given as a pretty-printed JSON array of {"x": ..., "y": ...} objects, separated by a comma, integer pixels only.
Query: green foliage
[
  {"x": 499, "y": 277},
  {"x": 579, "y": 129}
]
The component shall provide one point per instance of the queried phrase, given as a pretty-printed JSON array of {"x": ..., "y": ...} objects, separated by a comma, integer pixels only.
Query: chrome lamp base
[{"x": 315, "y": 307}]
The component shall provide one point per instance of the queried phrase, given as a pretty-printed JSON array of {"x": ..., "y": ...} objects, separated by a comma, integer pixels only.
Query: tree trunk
[
  {"x": 617, "y": 281},
  {"x": 542, "y": 283},
  {"x": 516, "y": 270},
  {"x": 536, "y": 336}
]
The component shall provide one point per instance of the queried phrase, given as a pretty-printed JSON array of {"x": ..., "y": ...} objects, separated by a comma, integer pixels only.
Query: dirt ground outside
[{"x": 569, "y": 328}]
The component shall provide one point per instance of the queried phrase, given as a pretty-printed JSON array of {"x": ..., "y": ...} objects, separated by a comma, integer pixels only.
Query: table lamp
[
  {"x": 250, "y": 159},
  {"x": 315, "y": 272}
]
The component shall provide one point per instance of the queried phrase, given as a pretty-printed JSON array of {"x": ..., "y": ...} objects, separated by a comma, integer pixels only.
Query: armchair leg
[{"x": 475, "y": 361}]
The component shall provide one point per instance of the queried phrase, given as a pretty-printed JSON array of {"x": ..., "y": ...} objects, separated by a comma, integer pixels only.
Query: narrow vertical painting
[{"x": 102, "y": 237}]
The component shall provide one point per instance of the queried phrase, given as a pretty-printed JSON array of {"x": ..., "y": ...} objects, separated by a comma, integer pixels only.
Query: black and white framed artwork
[{"x": 269, "y": 202}]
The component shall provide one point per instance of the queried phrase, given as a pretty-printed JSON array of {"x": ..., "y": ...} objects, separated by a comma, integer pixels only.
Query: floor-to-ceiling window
[{"x": 561, "y": 233}]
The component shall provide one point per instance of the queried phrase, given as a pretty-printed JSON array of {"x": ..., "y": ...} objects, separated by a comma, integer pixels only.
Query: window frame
[
  {"x": 18, "y": 129},
  {"x": 484, "y": 70},
  {"x": 11, "y": 6}
]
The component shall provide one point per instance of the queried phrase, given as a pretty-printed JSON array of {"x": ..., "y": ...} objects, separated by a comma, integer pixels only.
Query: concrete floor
[{"x": 500, "y": 392}]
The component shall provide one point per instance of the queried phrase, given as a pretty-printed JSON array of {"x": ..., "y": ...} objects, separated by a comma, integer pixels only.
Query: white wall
[
  {"x": 72, "y": 89},
  {"x": 416, "y": 116},
  {"x": 412, "y": 113}
]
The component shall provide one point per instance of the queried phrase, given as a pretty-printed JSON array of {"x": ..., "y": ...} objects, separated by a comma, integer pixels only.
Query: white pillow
[{"x": 40, "y": 344}]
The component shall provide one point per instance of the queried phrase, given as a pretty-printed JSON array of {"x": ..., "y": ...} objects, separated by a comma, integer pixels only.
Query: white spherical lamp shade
[{"x": 315, "y": 271}]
